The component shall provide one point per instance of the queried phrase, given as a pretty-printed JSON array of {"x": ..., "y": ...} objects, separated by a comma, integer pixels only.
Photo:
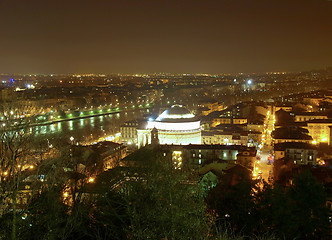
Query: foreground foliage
[
  {"x": 150, "y": 199},
  {"x": 295, "y": 212}
]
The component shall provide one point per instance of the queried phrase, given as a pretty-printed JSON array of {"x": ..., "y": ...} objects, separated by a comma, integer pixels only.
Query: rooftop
[
  {"x": 320, "y": 121},
  {"x": 176, "y": 113},
  {"x": 296, "y": 145}
]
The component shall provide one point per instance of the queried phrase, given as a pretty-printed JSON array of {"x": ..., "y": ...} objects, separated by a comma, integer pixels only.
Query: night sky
[{"x": 138, "y": 36}]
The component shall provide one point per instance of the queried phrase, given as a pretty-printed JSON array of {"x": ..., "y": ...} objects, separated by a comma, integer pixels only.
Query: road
[
  {"x": 267, "y": 150},
  {"x": 263, "y": 165}
]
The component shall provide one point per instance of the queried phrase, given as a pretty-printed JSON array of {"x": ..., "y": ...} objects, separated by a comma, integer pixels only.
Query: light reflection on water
[
  {"x": 87, "y": 128},
  {"x": 71, "y": 128},
  {"x": 52, "y": 128}
]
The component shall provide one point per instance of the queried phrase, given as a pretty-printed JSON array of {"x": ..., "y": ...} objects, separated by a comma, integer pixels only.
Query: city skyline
[{"x": 155, "y": 36}]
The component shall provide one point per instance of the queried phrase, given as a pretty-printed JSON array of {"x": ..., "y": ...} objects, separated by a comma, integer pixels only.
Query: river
[{"x": 83, "y": 130}]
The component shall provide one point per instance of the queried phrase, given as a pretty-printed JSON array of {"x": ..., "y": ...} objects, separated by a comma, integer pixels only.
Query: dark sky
[{"x": 140, "y": 36}]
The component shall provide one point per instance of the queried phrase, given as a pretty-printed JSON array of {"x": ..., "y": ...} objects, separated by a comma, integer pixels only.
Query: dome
[
  {"x": 177, "y": 110},
  {"x": 176, "y": 113},
  {"x": 175, "y": 125}
]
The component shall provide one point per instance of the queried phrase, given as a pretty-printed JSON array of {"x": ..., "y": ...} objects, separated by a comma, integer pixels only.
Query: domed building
[{"x": 175, "y": 125}]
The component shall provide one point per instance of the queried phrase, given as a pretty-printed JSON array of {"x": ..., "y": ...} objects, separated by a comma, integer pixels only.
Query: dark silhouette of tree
[
  {"x": 233, "y": 203},
  {"x": 274, "y": 211},
  {"x": 309, "y": 199},
  {"x": 110, "y": 217},
  {"x": 294, "y": 212},
  {"x": 163, "y": 202}
]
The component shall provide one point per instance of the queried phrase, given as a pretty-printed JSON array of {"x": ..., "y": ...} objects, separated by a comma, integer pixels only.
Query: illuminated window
[{"x": 177, "y": 159}]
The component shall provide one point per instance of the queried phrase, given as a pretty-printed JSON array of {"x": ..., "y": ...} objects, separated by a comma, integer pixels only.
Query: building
[
  {"x": 228, "y": 120},
  {"x": 175, "y": 125},
  {"x": 226, "y": 138},
  {"x": 111, "y": 153},
  {"x": 314, "y": 101},
  {"x": 330, "y": 135},
  {"x": 283, "y": 107},
  {"x": 307, "y": 116},
  {"x": 255, "y": 126},
  {"x": 240, "y": 120},
  {"x": 195, "y": 156},
  {"x": 291, "y": 134},
  {"x": 247, "y": 157},
  {"x": 129, "y": 132},
  {"x": 319, "y": 130},
  {"x": 221, "y": 120},
  {"x": 211, "y": 106},
  {"x": 298, "y": 152}
]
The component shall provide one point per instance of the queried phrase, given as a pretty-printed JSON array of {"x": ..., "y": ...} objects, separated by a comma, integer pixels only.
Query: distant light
[
  {"x": 150, "y": 119},
  {"x": 30, "y": 86},
  {"x": 249, "y": 82}
]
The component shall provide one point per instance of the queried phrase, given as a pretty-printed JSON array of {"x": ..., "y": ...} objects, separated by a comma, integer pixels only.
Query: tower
[{"x": 154, "y": 137}]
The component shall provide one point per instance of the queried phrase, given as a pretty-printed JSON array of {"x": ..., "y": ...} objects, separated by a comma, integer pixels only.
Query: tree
[
  {"x": 163, "y": 202},
  {"x": 233, "y": 202},
  {"x": 17, "y": 161},
  {"x": 59, "y": 210},
  {"x": 110, "y": 216},
  {"x": 295, "y": 212},
  {"x": 309, "y": 199},
  {"x": 274, "y": 210}
]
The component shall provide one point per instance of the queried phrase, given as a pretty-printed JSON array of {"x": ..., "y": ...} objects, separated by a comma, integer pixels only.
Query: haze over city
[
  {"x": 164, "y": 36},
  {"x": 165, "y": 120}
]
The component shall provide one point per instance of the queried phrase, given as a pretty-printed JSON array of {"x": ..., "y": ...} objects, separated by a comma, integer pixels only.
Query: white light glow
[
  {"x": 165, "y": 115},
  {"x": 168, "y": 126}
]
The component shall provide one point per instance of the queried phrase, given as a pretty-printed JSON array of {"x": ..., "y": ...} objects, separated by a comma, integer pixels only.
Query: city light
[{"x": 110, "y": 147}]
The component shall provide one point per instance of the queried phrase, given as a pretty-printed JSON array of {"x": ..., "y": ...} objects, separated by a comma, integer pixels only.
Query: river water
[{"x": 88, "y": 129}]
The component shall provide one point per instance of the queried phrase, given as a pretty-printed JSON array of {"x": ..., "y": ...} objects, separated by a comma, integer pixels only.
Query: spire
[{"x": 154, "y": 137}]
